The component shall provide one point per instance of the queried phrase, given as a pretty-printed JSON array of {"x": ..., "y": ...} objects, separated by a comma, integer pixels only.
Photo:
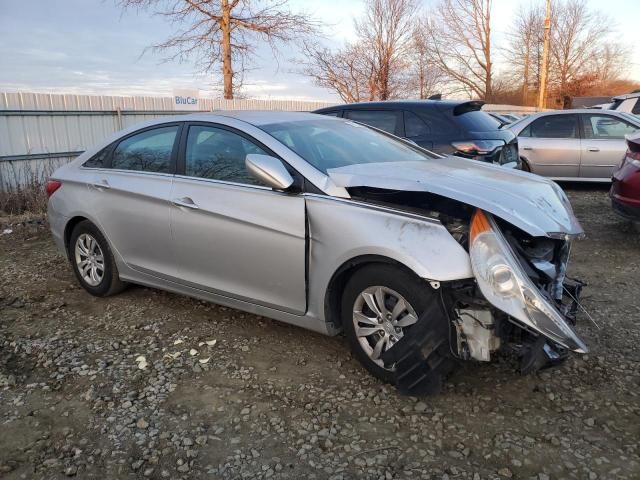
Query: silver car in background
[
  {"x": 575, "y": 145},
  {"x": 332, "y": 226}
]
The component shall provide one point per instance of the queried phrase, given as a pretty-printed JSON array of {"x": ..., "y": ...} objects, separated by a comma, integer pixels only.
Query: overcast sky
[{"x": 91, "y": 46}]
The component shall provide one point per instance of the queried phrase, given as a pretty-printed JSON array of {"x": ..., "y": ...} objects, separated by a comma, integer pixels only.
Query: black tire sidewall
[
  {"x": 110, "y": 270},
  {"x": 415, "y": 291}
]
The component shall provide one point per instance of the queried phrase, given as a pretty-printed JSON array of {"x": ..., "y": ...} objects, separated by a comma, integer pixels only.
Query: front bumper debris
[{"x": 423, "y": 360}]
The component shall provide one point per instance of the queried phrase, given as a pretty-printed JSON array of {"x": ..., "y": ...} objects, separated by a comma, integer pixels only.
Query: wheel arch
[
  {"x": 333, "y": 294},
  {"x": 68, "y": 229}
]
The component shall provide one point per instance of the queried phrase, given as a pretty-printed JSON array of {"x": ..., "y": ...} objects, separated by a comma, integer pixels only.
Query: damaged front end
[
  {"x": 517, "y": 230},
  {"x": 520, "y": 302},
  {"x": 521, "y": 299}
]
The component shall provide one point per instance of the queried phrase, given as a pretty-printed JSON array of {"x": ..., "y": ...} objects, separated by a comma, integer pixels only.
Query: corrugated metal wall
[{"x": 39, "y": 131}]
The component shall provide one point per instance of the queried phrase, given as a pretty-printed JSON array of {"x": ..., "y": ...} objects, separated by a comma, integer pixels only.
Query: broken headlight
[{"x": 506, "y": 286}]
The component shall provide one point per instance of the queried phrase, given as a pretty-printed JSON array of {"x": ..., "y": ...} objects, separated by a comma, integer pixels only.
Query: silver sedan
[
  {"x": 576, "y": 145},
  {"x": 329, "y": 225}
]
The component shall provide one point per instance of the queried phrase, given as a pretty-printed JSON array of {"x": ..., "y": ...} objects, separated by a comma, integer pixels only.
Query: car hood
[{"x": 530, "y": 202}]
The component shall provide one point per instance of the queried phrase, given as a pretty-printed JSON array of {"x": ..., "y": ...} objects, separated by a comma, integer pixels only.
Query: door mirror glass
[{"x": 269, "y": 170}]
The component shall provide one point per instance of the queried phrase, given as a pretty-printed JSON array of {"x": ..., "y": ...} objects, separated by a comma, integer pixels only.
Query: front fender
[{"x": 340, "y": 230}]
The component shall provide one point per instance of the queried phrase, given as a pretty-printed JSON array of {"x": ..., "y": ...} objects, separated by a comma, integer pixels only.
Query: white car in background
[
  {"x": 629, "y": 103},
  {"x": 574, "y": 145}
]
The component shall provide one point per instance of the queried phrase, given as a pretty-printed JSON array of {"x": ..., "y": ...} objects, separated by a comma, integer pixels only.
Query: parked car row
[
  {"x": 575, "y": 145},
  {"x": 422, "y": 260}
]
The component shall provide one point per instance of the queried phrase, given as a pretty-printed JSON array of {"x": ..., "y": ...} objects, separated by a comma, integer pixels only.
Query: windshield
[{"x": 330, "y": 143}]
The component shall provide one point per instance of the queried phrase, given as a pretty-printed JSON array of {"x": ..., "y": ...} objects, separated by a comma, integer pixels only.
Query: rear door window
[
  {"x": 387, "y": 120},
  {"x": 554, "y": 126},
  {"x": 148, "y": 151},
  {"x": 605, "y": 126}
]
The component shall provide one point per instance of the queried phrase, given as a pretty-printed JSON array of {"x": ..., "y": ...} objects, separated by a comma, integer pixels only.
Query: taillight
[
  {"x": 52, "y": 186},
  {"x": 633, "y": 158}
]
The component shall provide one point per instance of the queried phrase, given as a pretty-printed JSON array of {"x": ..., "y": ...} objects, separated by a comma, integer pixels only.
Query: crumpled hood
[{"x": 530, "y": 202}]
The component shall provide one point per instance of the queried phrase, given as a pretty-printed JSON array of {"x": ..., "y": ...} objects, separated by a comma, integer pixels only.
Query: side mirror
[{"x": 269, "y": 170}]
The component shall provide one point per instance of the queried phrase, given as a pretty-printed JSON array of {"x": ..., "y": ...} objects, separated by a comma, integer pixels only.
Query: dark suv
[{"x": 442, "y": 126}]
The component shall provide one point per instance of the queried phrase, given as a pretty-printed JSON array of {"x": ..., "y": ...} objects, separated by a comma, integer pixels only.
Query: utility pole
[{"x": 545, "y": 57}]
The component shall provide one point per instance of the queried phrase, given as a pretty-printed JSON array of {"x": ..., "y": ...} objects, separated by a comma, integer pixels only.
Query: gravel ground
[{"x": 270, "y": 400}]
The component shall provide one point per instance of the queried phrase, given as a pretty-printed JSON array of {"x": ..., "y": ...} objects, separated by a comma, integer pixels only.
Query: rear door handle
[
  {"x": 185, "y": 202},
  {"x": 101, "y": 184},
  {"x": 594, "y": 149}
]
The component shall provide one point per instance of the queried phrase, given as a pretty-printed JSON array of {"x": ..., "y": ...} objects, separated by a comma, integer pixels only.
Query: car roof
[
  {"x": 593, "y": 111},
  {"x": 627, "y": 95},
  {"x": 395, "y": 104},
  {"x": 254, "y": 117}
]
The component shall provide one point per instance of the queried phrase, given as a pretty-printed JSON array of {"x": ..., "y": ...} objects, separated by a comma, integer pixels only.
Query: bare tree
[
  {"x": 385, "y": 31},
  {"x": 578, "y": 35},
  {"x": 373, "y": 67},
  {"x": 348, "y": 72},
  {"x": 460, "y": 40},
  {"x": 610, "y": 65},
  {"x": 224, "y": 33},
  {"x": 424, "y": 77},
  {"x": 524, "y": 51}
]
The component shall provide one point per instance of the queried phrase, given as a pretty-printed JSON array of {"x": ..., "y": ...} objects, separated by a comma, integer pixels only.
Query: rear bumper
[
  {"x": 57, "y": 223},
  {"x": 625, "y": 193},
  {"x": 627, "y": 210}
]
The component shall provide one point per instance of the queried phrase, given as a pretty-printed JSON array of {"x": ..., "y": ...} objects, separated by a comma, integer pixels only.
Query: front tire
[
  {"x": 381, "y": 304},
  {"x": 92, "y": 261}
]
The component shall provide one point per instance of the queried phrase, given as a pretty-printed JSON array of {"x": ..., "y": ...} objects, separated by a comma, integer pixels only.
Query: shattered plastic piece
[
  {"x": 7, "y": 231},
  {"x": 204, "y": 360},
  {"x": 200, "y": 344},
  {"x": 193, "y": 352},
  {"x": 173, "y": 356},
  {"x": 178, "y": 342},
  {"x": 211, "y": 343}
]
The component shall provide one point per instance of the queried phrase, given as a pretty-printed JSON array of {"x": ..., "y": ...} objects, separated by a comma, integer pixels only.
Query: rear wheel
[
  {"x": 92, "y": 261},
  {"x": 381, "y": 305}
]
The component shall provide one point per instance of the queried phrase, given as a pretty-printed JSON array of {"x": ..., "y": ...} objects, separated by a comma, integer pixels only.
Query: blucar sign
[{"x": 186, "y": 100}]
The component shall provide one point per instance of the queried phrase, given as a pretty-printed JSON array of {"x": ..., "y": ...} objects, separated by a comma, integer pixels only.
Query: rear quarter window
[{"x": 99, "y": 160}]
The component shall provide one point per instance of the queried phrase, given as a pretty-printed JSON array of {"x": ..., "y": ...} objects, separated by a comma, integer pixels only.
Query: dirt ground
[{"x": 274, "y": 401}]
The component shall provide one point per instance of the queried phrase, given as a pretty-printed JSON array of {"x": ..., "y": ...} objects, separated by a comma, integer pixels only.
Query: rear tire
[
  {"x": 92, "y": 261},
  {"x": 420, "y": 299}
]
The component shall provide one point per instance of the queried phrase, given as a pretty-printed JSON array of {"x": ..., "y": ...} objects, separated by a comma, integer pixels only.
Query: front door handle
[
  {"x": 594, "y": 149},
  {"x": 185, "y": 202},
  {"x": 101, "y": 184},
  {"x": 527, "y": 148}
]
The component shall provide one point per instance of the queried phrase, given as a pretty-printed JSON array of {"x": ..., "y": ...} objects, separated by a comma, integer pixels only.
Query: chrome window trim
[
  {"x": 225, "y": 182},
  {"x": 122, "y": 170}
]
